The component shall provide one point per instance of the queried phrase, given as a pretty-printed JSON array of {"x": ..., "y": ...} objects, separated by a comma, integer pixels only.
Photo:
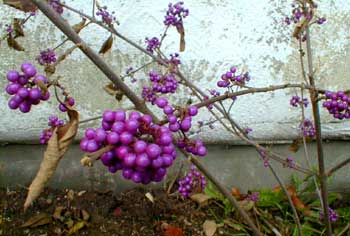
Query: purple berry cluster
[
  {"x": 337, "y": 104},
  {"x": 174, "y": 59},
  {"x": 230, "y": 78},
  {"x": 299, "y": 12},
  {"x": 141, "y": 149},
  {"x": 24, "y": 88},
  {"x": 333, "y": 216},
  {"x": 56, "y": 6},
  {"x": 175, "y": 14},
  {"x": 152, "y": 44},
  {"x": 290, "y": 162},
  {"x": 46, "y": 57},
  {"x": 254, "y": 197},
  {"x": 107, "y": 17},
  {"x": 296, "y": 101},
  {"x": 183, "y": 124},
  {"x": 47, "y": 133},
  {"x": 214, "y": 93},
  {"x": 264, "y": 156},
  {"x": 159, "y": 84},
  {"x": 193, "y": 182},
  {"x": 307, "y": 128}
]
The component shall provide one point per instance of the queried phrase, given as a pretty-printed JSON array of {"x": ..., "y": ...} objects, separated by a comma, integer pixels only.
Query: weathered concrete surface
[
  {"x": 218, "y": 34},
  {"x": 233, "y": 165}
]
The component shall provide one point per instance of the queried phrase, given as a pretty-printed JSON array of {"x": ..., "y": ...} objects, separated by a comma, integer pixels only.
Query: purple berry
[
  {"x": 143, "y": 160},
  {"x": 28, "y": 69},
  {"x": 107, "y": 158},
  {"x": 161, "y": 102},
  {"x": 121, "y": 152},
  {"x": 92, "y": 146},
  {"x": 12, "y": 75},
  {"x": 41, "y": 78},
  {"x": 118, "y": 127},
  {"x": 140, "y": 146},
  {"x": 192, "y": 110},
  {"x": 126, "y": 138},
  {"x": 112, "y": 138},
  {"x": 23, "y": 92},
  {"x": 120, "y": 115},
  {"x": 129, "y": 160},
  {"x": 24, "y": 106},
  {"x": 100, "y": 135},
  {"x": 153, "y": 150},
  {"x": 185, "y": 124},
  {"x": 168, "y": 110},
  {"x": 35, "y": 94},
  {"x": 62, "y": 107},
  {"x": 108, "y": 116},
  {"x": 89, "y": 133}
]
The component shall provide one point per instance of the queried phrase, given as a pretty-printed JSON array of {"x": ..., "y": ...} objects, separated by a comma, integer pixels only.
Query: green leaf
[{"x": 268, "y": 198}]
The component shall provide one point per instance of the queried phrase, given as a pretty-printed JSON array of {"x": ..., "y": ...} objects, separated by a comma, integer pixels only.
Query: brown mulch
[{"x": 102, "y": 213}]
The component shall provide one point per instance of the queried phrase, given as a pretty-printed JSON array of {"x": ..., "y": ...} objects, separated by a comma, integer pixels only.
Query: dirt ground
[{"x": 104, "y": 213}]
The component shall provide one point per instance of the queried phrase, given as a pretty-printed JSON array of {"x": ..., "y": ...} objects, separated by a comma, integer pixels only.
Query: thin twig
[
  {"x": 317, "y": 119},
  {"x": 338, "y": 167}
]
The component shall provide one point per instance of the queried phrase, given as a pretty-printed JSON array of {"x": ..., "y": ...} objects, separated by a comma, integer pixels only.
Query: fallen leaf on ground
[
  {"x": 37, "y": 220},
  {"x": 149, "y": 197},
  {"x": 58, "y": 213},
  {"x": 200, "y": 198},
  {"x": 209, "y": 227},
  {"x": 76, "y": 227},
  {"x": 173, "y": 231}
]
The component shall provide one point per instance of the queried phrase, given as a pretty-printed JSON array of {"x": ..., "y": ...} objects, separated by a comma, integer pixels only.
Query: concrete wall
[{"x": 218, "y": 34}]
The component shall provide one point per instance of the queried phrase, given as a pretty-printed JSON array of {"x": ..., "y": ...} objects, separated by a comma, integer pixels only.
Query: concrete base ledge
[{"x": 237, "y": 166}]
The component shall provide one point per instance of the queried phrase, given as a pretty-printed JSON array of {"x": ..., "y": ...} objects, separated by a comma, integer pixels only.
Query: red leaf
[{"x": 173, "y": 231}]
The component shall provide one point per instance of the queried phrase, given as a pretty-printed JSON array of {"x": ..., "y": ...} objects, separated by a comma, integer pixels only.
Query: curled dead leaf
[
  {"x": 209, "y": 227},
  {"x": 12, "y": 43},
  {"x": 107, "y": 45},
  {"x": 23, "y": 5},
  {"x": 57, "y": 146},
  {"x": 79, "y": 26},
  {"x": 17, "y": 27},
  {"x": 235, "y": 192}
]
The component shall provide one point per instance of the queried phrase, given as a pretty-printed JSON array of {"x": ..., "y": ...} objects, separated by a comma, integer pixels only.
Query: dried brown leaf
[
  {"x": 107, "y": 45},
  {"x": 294, "y": 147},
  {"x": 42, "y": 86},
  {"x": 150, "y": 197},
  {"x": 246, "y": 205},
  {"x": 37, "y": 220},
  {"x": 209, "y": 227},
  {"x": 76, "y": 227},
  {"x": 58, "y": 213},
  {"x": 23, "y": 5},
  {"x": 300, "y": 27},
  {"x": 85, "y": 215},
  {"x": 200, "y": 198},
  {"x": 12, "y": 43},
  {"x": 17, "y": 26},
  {"x": 79, "y": 26},
  {"x": 57, "y": 146}
]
